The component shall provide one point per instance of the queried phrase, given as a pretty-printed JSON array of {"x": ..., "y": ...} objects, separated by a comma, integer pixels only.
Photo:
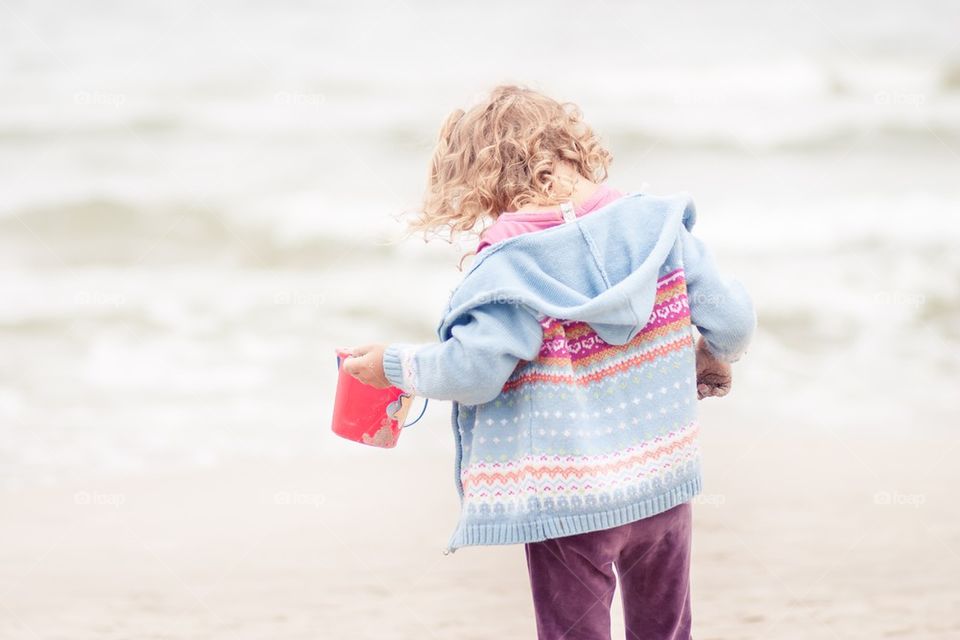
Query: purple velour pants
[{"x": 573, "y": 581}]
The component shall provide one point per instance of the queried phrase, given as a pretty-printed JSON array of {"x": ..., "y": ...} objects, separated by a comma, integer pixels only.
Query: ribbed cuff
[
  {"x": 723, "y": 356},
  {"x": 717, "y": 353},
  {"x": 393, "y": 365}
]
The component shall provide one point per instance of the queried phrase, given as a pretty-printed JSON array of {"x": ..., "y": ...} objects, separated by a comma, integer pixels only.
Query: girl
[{"x": 568, "y": 353}]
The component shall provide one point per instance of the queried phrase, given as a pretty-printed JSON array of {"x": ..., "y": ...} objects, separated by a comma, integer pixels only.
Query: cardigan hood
[{"x": 543, "y": 270}]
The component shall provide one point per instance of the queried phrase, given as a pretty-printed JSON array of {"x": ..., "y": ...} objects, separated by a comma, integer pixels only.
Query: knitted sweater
[{"x": 568, "y": 355}]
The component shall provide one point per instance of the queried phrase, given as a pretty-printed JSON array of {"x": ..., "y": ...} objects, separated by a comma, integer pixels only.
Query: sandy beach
[{"x": 801, "y": 533}]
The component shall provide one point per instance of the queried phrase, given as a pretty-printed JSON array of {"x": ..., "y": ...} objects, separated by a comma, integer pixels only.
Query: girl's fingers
[
  {"x": 363, "y": 365},
  {"x": 712, "y": 390},
  {"x": 361, "y": 350},
  {"x": 358, "y": 374},
  {"x": 350, "y": 361},
  {"x": 353, "y": 366}
]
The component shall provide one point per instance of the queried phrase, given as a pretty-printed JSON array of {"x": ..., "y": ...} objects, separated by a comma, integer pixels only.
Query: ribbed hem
[
  {"x": 558, "y": 526},
  {"x": 393, "y": 366}
]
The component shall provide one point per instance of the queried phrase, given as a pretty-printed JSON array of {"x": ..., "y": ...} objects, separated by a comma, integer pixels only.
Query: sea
[{"x": 201, "y": 200}]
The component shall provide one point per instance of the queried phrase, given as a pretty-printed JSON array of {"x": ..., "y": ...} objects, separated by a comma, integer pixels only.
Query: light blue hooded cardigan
[{"x": 553, "y": 446}]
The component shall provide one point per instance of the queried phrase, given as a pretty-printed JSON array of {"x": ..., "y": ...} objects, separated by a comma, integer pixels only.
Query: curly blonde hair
[{"x": 503, "y": 154}]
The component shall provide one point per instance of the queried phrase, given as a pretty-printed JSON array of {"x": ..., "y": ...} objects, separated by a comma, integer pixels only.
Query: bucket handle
[{"x": 426, "y": 401}]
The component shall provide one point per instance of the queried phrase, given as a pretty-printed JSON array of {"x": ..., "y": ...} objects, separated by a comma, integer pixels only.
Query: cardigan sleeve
[
  {"x": 471, "y": 366},
  {"x": 720, "y": 307}
]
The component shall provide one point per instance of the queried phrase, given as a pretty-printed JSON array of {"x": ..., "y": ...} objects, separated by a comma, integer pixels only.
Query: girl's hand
[
  {"x": 366, "y": 365},
  {"x": 714, "y": 377}
]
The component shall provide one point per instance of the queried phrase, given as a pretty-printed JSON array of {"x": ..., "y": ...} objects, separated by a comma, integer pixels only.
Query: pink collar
[
  {"x": 513, "y": 223},
  {"x": 600, "y": 193}
]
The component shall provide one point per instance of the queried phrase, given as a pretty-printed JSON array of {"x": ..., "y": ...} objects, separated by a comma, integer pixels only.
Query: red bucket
[{"x": 366, "y": 414}]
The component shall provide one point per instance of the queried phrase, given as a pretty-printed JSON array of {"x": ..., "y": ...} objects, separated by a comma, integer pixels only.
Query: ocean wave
[
  {"x": 826, "y": 138},
  {"x": 114, "y": 233},
  {"x": 810, "y": 121},
  {"x": 918, "y": 133}
]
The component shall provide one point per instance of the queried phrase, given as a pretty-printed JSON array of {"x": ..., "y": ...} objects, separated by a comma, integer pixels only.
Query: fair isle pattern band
[
  {"x": 578, "y": 341},
  {"x": 557, "y": 476},
  {"x": 571, "y": 348}
]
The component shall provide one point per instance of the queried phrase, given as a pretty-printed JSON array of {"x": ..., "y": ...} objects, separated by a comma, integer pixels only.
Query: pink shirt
[{"x": 512, "y": 224}]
